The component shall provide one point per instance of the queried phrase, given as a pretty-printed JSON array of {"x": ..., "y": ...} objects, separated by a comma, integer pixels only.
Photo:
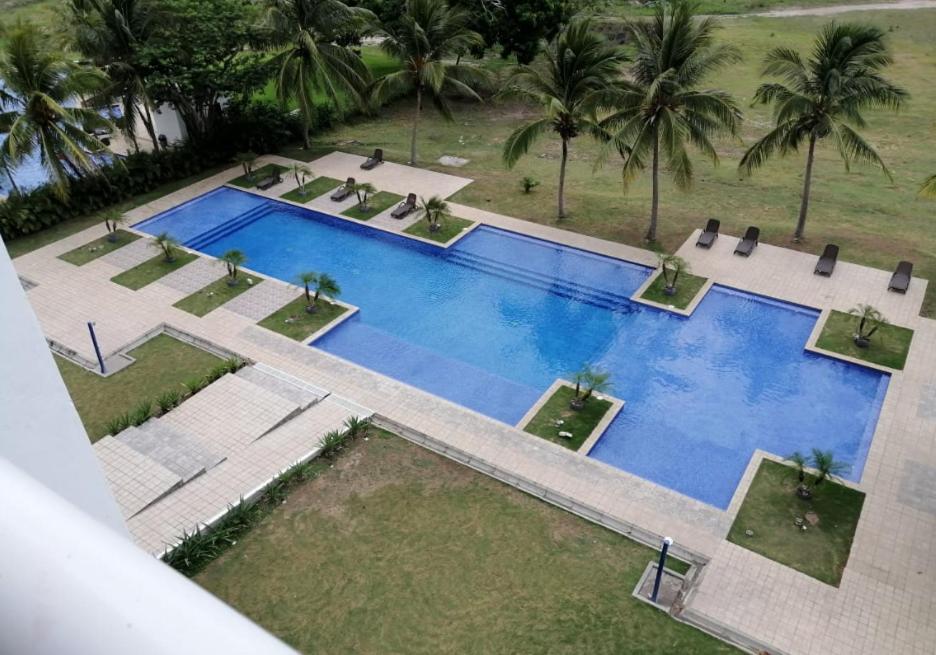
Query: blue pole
[
  {"x": 97, "y": 348},
  {"x": 667, "y": 542}
]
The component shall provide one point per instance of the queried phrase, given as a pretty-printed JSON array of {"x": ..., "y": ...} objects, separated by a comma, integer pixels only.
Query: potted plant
[
  {"x": 302, "y": 175},
  {"x": 168, "y": 245},
  {"x": 869, "y": 320},
  {"x": 670, "y": 267},
  {"x": 588, "y": 380},
  {"x": 233, "y": 260},
  {"x": 434, "y": 210},
  {"x": 364, "y": 190},
  {"x": 112, "y": 221}
]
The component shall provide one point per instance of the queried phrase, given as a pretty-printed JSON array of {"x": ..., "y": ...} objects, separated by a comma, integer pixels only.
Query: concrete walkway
[{"x": 884, "y": 603}]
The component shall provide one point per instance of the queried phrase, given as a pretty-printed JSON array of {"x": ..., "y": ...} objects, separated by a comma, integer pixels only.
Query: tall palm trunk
[
  {"x": 415, "y": 125},
  {"x": 9, "y": 174},
  {"x": 655, "y": 187},
  {"x": 562, "y": 174},
  {"x": 148, "y": 123},
  {"x": 807, "y": 183}
]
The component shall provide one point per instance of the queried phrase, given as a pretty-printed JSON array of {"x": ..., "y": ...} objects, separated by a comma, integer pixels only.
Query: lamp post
[
  {"x": 97, "y": 349},
  {"x": 667, "y": 542}
]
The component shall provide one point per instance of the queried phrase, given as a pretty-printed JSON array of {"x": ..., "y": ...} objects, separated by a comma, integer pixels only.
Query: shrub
[
  {"x": 168, "y": 400},
  {"x": 528, "y": 184},
  {"x": 194, "y": 385},
  {"x": 118, "y": 424},
  {"x": 356, "y": 426},
  {"x": 142, "y": 413},
  {"x": 333, "y": 442},
  {"x": 216, "y": 373},
  {"x": 234, "y": 364}
]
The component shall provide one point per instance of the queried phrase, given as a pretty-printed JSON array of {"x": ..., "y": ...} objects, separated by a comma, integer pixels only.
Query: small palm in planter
[
  {"x": 112, "y": 221},
  {"x": 247, "y": 161},
  {"x": 233, "y": 260},
  {"x": 302, "y": 174},
  {"x": 434, "y": 211},
  {"x": 364, "y": 190},
  {"x": 869, "y": 320},
  {"x": 307, "y": 279},
  {"x": 671, "y": 266},
  {"x": 588, "y": 380},
  {"x": 798, "y": 460},
  {"x": 825, "y": 464},
  {"x": 325, "y": 284},
  {"x": 168, "y": 245}
]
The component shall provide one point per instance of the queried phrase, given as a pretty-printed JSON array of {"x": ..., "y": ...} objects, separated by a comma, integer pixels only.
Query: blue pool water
[{"x": 493, "y": 321}]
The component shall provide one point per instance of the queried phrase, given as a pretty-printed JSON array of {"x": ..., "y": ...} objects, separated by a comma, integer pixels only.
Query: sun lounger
[
  {"x": 405, "y": 207},
  {"x": 749, "y": 242},
  {"x": 374, "y": 160},
  {"x": 709, "y": 234},
  {"x": 343, "y": 192},
  {"x": 826, "y": 263},
  {"x": 269, "y": 181},
  {"x": 900, "y": 280}
]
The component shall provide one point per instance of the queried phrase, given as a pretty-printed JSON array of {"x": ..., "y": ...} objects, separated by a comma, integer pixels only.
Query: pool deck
[{"x": 885, "y": 602}]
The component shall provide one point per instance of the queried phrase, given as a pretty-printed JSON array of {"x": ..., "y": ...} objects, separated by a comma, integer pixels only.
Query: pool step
[
  {"x": 552, "y": 284},
  {"x": 243, "y": 220}
]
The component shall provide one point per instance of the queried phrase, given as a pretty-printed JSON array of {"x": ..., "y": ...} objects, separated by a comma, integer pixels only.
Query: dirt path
[{"x": 842, "y": 9}]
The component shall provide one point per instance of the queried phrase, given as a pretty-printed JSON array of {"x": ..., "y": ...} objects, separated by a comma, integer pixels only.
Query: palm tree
[
  {"x": 434, "y": 211},
  {"x": 662, "y": 109},
  {"x": 827, "y": 467},
  {"x": 110, "y": 33},
  {"x": 112, "y": 220},
  {"x": 869, "y": 321},
  {"x": 247, "y": 161},
  {"x": 824, "y": 97},
  {"x": 363, "y": 190},
  {"x": 327, "y": 285},
  {"x": 581, "y": 69},
  {"x": 428, "y": 33},
  {"x": 593, "y": 379},
  {"x": 800, "y": 462},
  {"x": 309, "y": 59},
  {"x": 928, "y": 190},
  {"x": 38, "y": 83},
  {"x": 233, "y": 260},
  {"x": 302, "y": 174},
  {"x": 307, "y": 279},
  {"x": 168, "y": 244},
  {"x": 671, "y": 266}
]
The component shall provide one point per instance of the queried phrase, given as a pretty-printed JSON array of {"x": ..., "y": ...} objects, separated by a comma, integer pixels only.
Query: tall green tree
[
  {"x": 663, "y": 109},
  {"x": 40, "y": 85},
  {"x": 823, "y": 97},
  {"x": 110, "y": 33},
  {"x": 520, "y": 27},
  {"x": 309, "y": 60},
  {"x": 580, "y": 74},
  {"x": 424, "y": 39}
]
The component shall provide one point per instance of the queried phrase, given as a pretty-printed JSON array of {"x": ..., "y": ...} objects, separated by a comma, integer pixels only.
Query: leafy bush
[
  {"x": 333, "y": 442},
  {"x": 118, "y": 424},
  {"x": 216, "y": 373},
  {"x": 528, "y": 184},
  {"x": 142, "y": 413},
  {"x": 195, "y": 385},
  {"x": 168, "y": 400},
  {"x": 234, "y": 364},
  {"x": 356, "y": 426}
]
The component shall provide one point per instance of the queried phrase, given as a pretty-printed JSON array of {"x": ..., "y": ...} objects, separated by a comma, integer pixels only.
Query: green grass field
[
  {"x": 449, "y": 228},
  {"x": 687, "y": 286},
  {"x": 580, "y": 423},
  {"x": 628, "y": 9},
  {"x": 770, "y": 509},
  {"x": 162, "y": 364},
  {"x": 875, "y": 222},
  {"x": 302, "y": 324},
  {"x": 399, "y": 550},
  {"x": 98, "y": 248},
  {"x": 152, "y": 269},
  {"x": 215, "y": 294},
  {"x": 889, "y": 345},
  {"x": 378, "y": 202},
  {"x": 313, "y": 189}
]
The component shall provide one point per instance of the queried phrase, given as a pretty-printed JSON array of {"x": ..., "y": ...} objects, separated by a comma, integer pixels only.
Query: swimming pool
[{"x": 491, "y": 322}]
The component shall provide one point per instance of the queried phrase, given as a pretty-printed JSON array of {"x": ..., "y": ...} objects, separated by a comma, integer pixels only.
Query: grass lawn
[
  {"x": 874, "y": 221},
  {"x": 397, "y": 549},
  {"x": 770, "y": 508},
  {"x": 889, "y": 345},
  {"x": 152, "y": 269},
  {"x": 314, "y": 189},
  {"x": 31, "y": 242},
  {"x": 377, "y": 203},
  {"x": 579, "y": 423},
  {"x": 162, "y": 364},
  {"x": 214, "y": 295},
  {"x": 259, "y": 174},
  {"x": 687, "y": 286},
  {"x": 450, "y": 228},
  {"x": 98, "y": 248},
  {"x": 301, "y": 323},
  {"x": 626, "y": 8}
]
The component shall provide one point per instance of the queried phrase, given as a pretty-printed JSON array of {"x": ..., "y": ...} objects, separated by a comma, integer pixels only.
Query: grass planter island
[
  {"x": 152, "y": 269},
  {"x": 581, "y": 423},
  {"x": 450, "y": 228},
  {"x": 214, "y": 295},
  {"x": 889, "y": 345},
  {"x": 379, "y": 202},
  {"x": 295, "y": 322},
  {"x": 687, "y": 287},
  {"x": 98, "y": 248},
  {"x": 771, "y": 509},
  {"x": 313, "y": 189},
  {"x": 249, "y": 182}
]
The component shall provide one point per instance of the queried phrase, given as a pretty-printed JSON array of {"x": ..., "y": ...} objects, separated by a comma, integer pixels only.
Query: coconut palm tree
[
  {"x": 928, "y": 190},
  {"x": 670, "y": 267},
  {"x": 112, "y": 220},
  {"x": 233, "y": 260},
  {"x": 869, "y": 321},
  {"x": 592, "y": 379},
  {"x": 38, "y": 84},
  {"x": 309, "y": 59},
  {"x": 302, "y": 174},
  {"x": 307, "y": 279},
  {"x": 827, "y": 467},
  {"x": 110, "y": 33},
  {"x": 663, "y": 108},
  {"x": 327, "y": 285},
  {"x": 363, "y": 191},
  {"x": 823, "y": 97},
  {"x": 427, "y": 34},
  {"x": 168, "y": 244},
  {"x": 434, "y": 211},
  {"x": 247, "y": 161},
  {"x": 581, "y": 68}
]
